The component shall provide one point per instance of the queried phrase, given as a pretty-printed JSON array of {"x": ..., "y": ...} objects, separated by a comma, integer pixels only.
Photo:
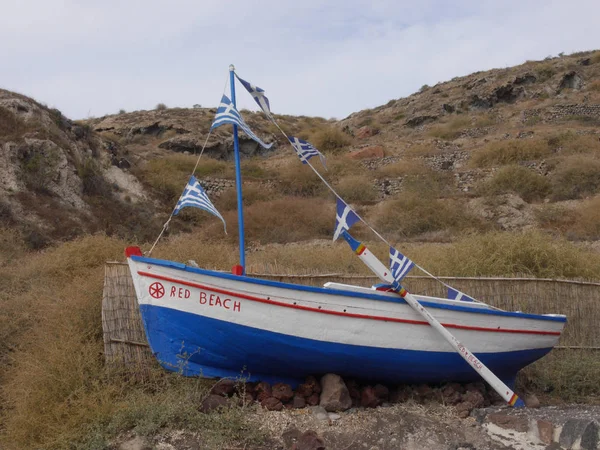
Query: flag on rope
[
  {"x": 258, "y": 95},
  {"x": 226, "y": 113},
  {"x": 400, "y": 265},
  {"x": 194, "y": 195},
  {"x": 454, "y": 294},
  {"x": 345, "y": 217},
  {"x": 305, "y": 150}
]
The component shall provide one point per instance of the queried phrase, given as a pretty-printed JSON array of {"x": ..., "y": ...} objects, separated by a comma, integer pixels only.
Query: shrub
[
  {"x": 544, "y": 72},
  {"x": 594, "y": 86},
  {"x": 160, "y": 107},
  {"x": 450, "y": 130},
  {"x": 411, "y": 214},
  {"x": 12, "y": 127},
  {"x": 587, "y": 224},
  {"x": 529, "y": 185},
  {"x": 509, "y": 152},
  {"x": 251, "y": 194},
  {"x": 330, "y": 139},
  {"x": 404, "y": 167},
  {"x": 576, "y": 177},
  {"x": 94, "y": 183},
  {"x": 356, "y": 189},
  {"x": 299, "y": 180},
  {"x": 570, "y": 143}
]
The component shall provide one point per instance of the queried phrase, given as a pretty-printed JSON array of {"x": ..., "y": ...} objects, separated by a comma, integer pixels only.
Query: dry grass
[
  {"x": 422, "y": 149},
  {"x": 299, "y": 179},
  {"x": 450, "y": 130},
  {"x": 509, "y": 152},
  {"x": 576, "y": 177},
  {"x": 356, "y": 189},
  {"x": 413, "y": 214},
  {"x": 168, "y": 175},
  {"x": 581, "y": 222},
  {"x": 12, "y": 128},
  {"x": 529, "y": 185},
  {"x": 330, "y": 140},
  {"x": 404, "y": 167}
]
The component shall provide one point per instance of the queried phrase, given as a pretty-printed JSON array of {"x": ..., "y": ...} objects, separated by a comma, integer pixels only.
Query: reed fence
[{"x": 125, "y": 342}]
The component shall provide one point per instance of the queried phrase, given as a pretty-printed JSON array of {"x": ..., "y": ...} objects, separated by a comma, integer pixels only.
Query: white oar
[{"x": 385, "y": 274}]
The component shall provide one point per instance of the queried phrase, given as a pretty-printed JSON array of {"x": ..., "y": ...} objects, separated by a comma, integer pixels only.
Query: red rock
[
  {"x": 463, "y": 409},
  {"x": 382, "y": 392},
  {"x": 288, "y": 406},
  {"x": 335, "y": 395},
  {"x": 401, "y": 394},
  {"x": 365, "y": 132},
  {"x": 477, "y": 386},
  {"x": 509, "y": 422},
  {"x": 272, "y": 404},
  {"x": 298, "y": 402},
  {"x": 545, "y": 431},
  {"x": 475, "y": 398},
  {"x": 368, "y": 398},
  {"x": 309, "y": 440},
  {"x": 243, "y": 388},
  {"x": 248, "y": 398},
  {"x": 375, "y": 151},
  {"x": 450, "y": 396},
  {"x": 213, "y": 402},
  {"x": 282, "y": 391},
  {"x": 305, "y": 390},
  {"x": 423, "y": 391},
  {"x": 263, "y": 391},
  {"x": 313, "y": 400},
  {"x": 224, "y": 387},
  {"x": 313, "y": 383}
]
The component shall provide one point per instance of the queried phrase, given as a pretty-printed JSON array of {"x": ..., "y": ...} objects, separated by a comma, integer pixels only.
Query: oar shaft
[{"x": 384, "y": 274}]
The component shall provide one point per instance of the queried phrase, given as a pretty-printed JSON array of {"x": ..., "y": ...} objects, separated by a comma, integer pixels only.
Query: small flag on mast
[
  {"x": 226, "y": 113},
  {"x": 258, "y": 95},
  {"x": 305, "y": 150},
  {"x": 400, "y": 265},
  {"x": 193, "y": 195},
  {"x": 454, "y": 294},
  {"x": 345, "y": 217}
]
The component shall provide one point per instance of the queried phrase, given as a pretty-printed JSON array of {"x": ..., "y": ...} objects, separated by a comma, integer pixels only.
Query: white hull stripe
[{"x": 339, "y": 313}]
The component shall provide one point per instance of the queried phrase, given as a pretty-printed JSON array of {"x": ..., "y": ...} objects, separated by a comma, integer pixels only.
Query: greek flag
[
  {"x": 226, "y": 113},
  {"x": 194, "y": 195},
  {"x": 345, "y": 217},
  {"x": 399, "y": 264},
  {"x": 258, "y": 95},
  {"x": 305, "y": 150},
  {"x": 454, "y": 294}
]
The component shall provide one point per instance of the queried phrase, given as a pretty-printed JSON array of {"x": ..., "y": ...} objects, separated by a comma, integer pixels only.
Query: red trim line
[{"x": 338, "y": 313}]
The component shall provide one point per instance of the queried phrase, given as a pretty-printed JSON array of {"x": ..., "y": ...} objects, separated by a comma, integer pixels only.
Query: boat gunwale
[{"x": 327, "y": 291}]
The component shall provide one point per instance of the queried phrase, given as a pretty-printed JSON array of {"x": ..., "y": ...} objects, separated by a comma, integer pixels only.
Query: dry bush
[
  {"x": 251, "y": 194},
  {"x": 555, "y": 218},
  {"x": 160, "y": 107},
  {"x": 594, "y": 86},
  {"x": 330, "y": 139},
  {"x": 450, "y": 130},
  {"x": 430, "y": 184},
  {"x": 12, "y": 127},
  {"x": 357, "y": 189},
  {"x": 299, "y": 179},
  {"x": 169, "y": 175},
  {"x": 288, "y": 219},
  {"x": 576, "y": 177},
  {"x": 524, "y": 182},
  {"x": 544, "y": 71},
  {"x": 509, "y": 152},
  {"x": 570, "y": 143},
  {"x": 412, "y": 214},
  {"x": 422, "y": 149},
  {"x": 254, "y": 169},
  {"x": 404, "y": 167},
  {"x": 339, "y": 166}
]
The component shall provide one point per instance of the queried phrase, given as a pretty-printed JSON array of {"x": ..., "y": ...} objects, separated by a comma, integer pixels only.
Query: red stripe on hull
[{"x": 338, "y": 313}]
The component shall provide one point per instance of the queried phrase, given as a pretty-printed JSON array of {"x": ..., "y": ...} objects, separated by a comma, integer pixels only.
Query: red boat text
[
  {"x": 179, "y": 292},
  {"x": 215, "y": 300},
  {"x": 470, "y": 357}
]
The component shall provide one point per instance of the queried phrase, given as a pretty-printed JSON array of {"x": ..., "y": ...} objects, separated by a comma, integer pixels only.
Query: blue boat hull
[{"x": 196, "y": 345}]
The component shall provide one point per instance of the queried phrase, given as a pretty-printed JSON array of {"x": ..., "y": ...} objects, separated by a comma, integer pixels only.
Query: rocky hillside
[
  {"x": 506, "y": 149},
  {"x": 56, "y": 181}
]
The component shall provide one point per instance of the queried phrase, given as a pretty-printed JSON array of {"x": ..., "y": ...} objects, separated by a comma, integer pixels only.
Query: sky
[{"x": 316, "y": 58}]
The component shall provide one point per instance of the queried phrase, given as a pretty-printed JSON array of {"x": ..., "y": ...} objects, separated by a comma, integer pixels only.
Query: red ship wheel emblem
[{"x": 157, "y": 290}]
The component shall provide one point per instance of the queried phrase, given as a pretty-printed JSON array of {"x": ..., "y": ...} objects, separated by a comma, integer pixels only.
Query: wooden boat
[{"x": 213, "y": 324}]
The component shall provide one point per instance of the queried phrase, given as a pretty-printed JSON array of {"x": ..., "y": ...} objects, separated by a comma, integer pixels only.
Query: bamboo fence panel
[
  {"x": 125, "y": 340},
  {"x": 125, "y": 343}
]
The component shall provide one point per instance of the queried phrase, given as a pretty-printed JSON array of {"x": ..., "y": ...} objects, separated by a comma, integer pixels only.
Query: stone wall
[{"x": 558, "y": 112}]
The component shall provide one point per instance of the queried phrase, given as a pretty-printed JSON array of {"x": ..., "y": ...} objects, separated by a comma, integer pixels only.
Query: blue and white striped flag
[
  {"x": 454, "y": 294},
  {"x": 305, "y": 150},
  {"x": 226, "y": 113},
  {"x": 258, "y": 95},
  {"x": 400, "y": 265},
  {"x": 345, "y": 217},
  {"x": 194, "y": 195}
]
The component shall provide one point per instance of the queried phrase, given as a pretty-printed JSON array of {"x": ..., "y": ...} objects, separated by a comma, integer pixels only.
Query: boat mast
[{"x": 238, "y": 177}]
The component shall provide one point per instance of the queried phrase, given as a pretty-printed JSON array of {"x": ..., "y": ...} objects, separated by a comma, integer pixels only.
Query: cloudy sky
[{"x": 323, "y": 58}]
